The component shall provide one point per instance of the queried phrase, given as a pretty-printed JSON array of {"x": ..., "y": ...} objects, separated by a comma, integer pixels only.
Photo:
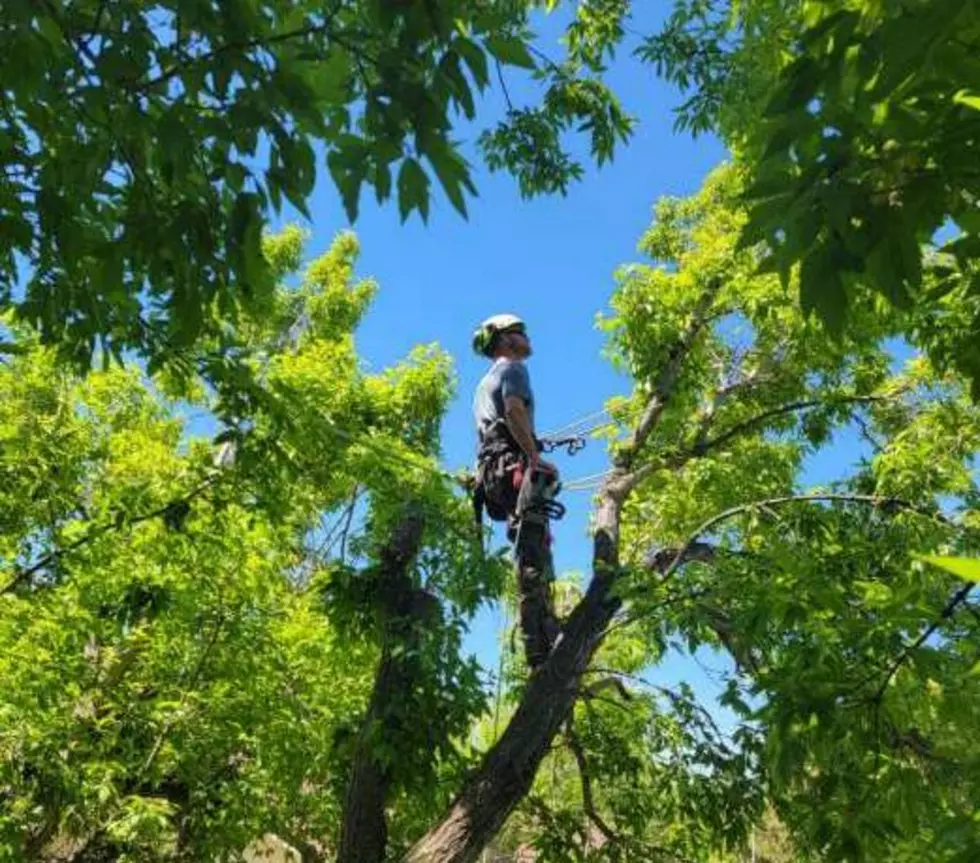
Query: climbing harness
[{"x": 506, "y": 489}]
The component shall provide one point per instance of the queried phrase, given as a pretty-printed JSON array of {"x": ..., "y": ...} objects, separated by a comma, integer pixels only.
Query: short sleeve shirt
[{"x": 505, "y": 378}]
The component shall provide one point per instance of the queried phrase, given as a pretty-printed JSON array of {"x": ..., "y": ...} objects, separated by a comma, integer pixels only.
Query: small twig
[
  {"x": 867, "y": 499},
  {"x": 97, "y": 23},
  {"x": 347, "y": 525},
  {"x": 187, "y": 688},
  {"x": 954, "y": 601},
  {"x": 867, "y": 434},
  {"x": 548, "y": 61},
  {"x": 674, "y": 697},
  {"x": 792, "y": 407},
  {"x": 667, "y": 381},
  {"x": 703, "y": 444},
  {"x": 96, "y": 532},
  {"x": 503, "y": 84}
]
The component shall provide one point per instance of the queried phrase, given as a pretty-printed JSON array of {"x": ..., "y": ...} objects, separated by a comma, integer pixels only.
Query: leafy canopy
[
  {"x": 144, "y": 145},
  {"x": 860, "y": 124},
  {"x": 187, "y": 649}
]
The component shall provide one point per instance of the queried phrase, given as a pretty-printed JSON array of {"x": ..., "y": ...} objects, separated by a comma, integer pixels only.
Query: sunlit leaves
[
  {"x": 961, "y": 567},
  {"x": 845, "y": 646},
  {"x": 169, "y": 662}
]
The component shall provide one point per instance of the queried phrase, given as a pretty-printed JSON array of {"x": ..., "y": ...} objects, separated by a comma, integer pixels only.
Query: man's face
[{"x": 518, "y": 342}]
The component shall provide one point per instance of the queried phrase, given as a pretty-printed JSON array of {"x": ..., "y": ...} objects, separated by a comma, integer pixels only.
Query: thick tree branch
[
  {"x": 364, "y": 830},
  {"x": 507, "y": 771}
]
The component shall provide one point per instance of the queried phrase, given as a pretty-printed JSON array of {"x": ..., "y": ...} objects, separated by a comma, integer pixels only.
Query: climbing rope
[
  {"x": 576, "y": 425},
  {"x": 586, "y": 483}
]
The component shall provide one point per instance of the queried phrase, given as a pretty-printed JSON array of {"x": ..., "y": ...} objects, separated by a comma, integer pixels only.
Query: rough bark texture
[
  {"x": 364, "y": 831},
  {"x": 508, "y": 769}
]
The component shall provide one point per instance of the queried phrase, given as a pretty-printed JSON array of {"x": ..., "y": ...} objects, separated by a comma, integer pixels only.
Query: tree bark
[
  {"x": 364, "y": 830},
  {"x": 508, "y": 769}
]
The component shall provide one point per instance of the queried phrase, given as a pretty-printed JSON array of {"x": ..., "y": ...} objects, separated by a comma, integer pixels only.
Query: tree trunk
[
  {"x": 508, "y": 769},
  {"x": 364, "y": 830}
]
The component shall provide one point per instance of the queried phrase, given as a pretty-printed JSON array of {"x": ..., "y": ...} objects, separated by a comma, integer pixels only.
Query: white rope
[
  {"x": 567, "y": 429},
  {"x": 583, "y": 483}
]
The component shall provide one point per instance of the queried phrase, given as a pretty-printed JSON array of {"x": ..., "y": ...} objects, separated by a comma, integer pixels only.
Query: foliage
[
  {"x": 190, "y": 639},
  {"x": 859, "y": 122},
  {"x": 854, "y": 662},
  {"x": 143, "y": 145},
  {"x": 173, "y": 682}
]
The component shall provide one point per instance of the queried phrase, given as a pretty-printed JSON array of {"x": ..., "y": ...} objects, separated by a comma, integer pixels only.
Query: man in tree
[{"x": 513, "y": 481}]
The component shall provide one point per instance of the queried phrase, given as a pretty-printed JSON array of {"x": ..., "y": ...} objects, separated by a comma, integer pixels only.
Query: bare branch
[
  {"x": 347, "y": 524},
  {"x": 588, "y": 801},
  {"x": 954, "y": 602},
  {"x": 503, "y": 84},
  {"x": 891, "y": 503}
]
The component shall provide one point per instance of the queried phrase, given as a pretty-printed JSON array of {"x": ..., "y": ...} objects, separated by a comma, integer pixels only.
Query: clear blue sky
[{"x": 550, "y": 260}]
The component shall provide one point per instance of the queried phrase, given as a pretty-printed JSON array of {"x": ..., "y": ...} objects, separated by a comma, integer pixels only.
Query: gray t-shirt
[{"x": 505, "y": 378}]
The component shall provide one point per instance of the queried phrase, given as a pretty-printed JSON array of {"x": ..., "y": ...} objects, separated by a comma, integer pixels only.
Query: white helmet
[{"x": 485, "y": 336}]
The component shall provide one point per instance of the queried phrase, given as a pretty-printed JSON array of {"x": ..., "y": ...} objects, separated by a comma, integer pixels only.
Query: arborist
[{"x": 514, "y": 484}]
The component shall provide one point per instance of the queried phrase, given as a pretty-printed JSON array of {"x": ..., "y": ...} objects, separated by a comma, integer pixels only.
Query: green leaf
[
  {"x": 822, "y": 289},
  {"x": 413, "y": 190},
  {"x": 965, "y": 97},
  {"x": 885, "y": 268},
  {"x": 967, "y": 568},
  {"x": 382, "y": 180},
  {"x": 799, "y": 83},
  {"x": 510, "y": 50},
  {"x": 330, "y": 78},
  {"x": 475, "y": 59},
  {"x": 452, "y": 172}
]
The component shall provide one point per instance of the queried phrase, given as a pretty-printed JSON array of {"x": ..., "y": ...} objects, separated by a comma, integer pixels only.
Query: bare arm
[{"x": 519, "y": 425}]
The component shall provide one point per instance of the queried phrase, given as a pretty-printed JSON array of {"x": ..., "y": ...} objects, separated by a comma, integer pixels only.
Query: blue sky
[{"x": 550, "y": 260}]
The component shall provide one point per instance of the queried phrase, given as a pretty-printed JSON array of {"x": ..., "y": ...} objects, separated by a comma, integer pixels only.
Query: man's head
[{"x": 502, "y": 336}]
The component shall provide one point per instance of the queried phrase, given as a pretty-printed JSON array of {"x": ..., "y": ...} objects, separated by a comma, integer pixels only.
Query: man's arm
[
  {"x": 516, "y": 390},
  {"x": 519, "y": 425}
]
